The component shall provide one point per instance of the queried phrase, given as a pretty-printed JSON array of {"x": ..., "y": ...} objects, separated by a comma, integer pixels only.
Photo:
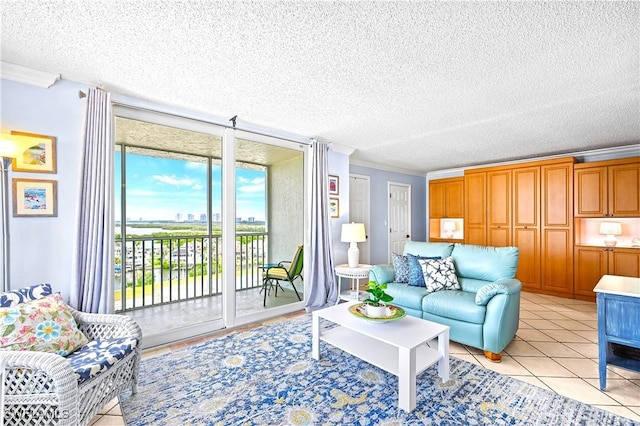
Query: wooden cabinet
[
  {"x": 446, "y": 201},
  {"x": 475, "y": 207},
  {"x": 446, "y": 198},
  {"x": 608, "y": 188},
  {"x": 528, "y": 206},
  {"x": 591, "y": 263}
]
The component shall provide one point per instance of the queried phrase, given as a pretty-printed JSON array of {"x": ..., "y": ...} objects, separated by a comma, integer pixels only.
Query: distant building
[
  {"x": 190, "y": 217},
  {"x": 238, "y": 219},
  {"x": 251, "y": 219},
  {"x": 216, "y": 217},
  {"x": 203, "y": 217},
  {"x": 179, "y": 217}
]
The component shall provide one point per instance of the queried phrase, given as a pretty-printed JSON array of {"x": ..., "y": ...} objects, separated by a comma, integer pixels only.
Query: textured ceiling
[{"x": 418, "y": 86}]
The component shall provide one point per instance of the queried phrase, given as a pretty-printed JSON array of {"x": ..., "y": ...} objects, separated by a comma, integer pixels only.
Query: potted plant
[{"x": 375, "y": 304}]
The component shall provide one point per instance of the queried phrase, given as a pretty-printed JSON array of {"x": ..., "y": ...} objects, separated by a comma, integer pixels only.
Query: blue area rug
[{"x": 266, "y": 376}]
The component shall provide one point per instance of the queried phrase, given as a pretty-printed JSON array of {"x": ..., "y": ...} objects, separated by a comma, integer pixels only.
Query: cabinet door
[
  {"x": 475, "y": 208},
  {"x": 436, "y": 199},
  {"x": 454, "y": 198},
  {"x": 526, "y": 197},
  {"x": 527, "y": 239},
  {"x": 499, "y": 208},
  {"x": 590, "y": 266},
  {"x": 591, "y": 192},
  {"x": 557, "y": 195},
  {"x": 624, "y": 187},
  {"x": 625, "y": 262},
  {"x": 557, "y": 260}
]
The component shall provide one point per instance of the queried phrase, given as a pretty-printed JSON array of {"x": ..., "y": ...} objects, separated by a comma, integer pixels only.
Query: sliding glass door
[{"x": 202, "y": 213}]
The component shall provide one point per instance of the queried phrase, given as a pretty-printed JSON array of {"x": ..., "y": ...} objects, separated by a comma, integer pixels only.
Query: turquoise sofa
[{"x": 484, "y": 313}]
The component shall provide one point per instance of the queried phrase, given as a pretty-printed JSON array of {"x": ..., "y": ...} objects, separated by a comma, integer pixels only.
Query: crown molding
[
  {"x": 341, "y": 149},
  {"x": 27, "y": 75}
]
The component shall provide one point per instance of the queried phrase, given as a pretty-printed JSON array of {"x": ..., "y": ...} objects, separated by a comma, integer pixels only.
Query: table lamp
[
  {"x": 353, "y": 233},
  {"x": 449, "y": 227},
  {"x": 610, "y": 229}
]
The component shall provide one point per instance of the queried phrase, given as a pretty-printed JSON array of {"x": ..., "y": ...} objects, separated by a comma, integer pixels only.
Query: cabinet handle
[{"x": 525, "y": 227}]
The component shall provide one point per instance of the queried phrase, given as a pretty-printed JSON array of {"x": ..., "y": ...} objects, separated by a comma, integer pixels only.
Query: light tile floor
[{"x": 556, "y": 348}]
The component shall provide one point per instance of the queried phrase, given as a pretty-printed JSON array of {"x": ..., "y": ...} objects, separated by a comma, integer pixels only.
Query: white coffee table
[{"x": 399, "y": 347}]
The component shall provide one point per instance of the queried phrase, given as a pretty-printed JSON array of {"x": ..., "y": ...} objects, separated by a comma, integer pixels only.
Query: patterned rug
[{"x": 266, "y": 376}]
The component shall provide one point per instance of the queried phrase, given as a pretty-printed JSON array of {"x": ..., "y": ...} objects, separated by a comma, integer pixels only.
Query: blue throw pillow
[
  {"x": 416, "y": 275},
  {"x": 400, "y": 268}
]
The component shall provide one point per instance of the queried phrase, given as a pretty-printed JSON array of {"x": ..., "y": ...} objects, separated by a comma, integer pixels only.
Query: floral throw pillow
[
  {"x": 439, "y": 274},
  {"x": 44, "y": 325},
  {"x": 400, "y": 268}
]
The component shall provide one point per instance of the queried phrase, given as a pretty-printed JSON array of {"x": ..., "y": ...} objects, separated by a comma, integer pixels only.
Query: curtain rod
[{"x": 233, "y": 119}]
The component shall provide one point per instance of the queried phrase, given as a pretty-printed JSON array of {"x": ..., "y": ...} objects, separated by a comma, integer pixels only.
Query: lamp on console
[
  {"x": 610, "y": 229},
  {"x": 449, "y": 227},
  {"x": 10, "y": 148},
  {"x": 353, "y": 233}
]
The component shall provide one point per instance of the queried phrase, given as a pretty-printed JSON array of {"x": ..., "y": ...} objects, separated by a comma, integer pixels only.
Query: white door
[
  {"x": 359, "y": 210},
  {"x": 399, "y": 217}
]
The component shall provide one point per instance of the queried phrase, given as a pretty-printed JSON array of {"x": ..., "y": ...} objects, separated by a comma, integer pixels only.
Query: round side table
[{"x": 355, "y": 275}]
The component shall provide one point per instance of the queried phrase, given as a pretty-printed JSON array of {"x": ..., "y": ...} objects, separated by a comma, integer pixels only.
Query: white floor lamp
[{"x": 10, "y": 147}]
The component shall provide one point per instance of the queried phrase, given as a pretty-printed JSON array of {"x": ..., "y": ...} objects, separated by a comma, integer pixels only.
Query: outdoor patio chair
[
  {"x": 72, "y": 364},
  {"x": 281, "y": 272}
]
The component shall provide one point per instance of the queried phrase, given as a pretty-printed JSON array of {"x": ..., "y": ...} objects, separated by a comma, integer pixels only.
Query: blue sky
[{"x": 161, "y": 188}]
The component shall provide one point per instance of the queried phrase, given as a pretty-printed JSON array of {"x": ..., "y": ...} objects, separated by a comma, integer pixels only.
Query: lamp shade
[
  {"x": 353, "y": 233},
  {"x": 611, "y": 228},
  {"x": 449, "y": 225},
  {"x": 11, "y": 146}
]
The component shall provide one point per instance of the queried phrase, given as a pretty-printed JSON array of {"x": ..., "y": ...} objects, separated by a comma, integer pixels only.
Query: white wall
[{"x": 42, "y": 249}]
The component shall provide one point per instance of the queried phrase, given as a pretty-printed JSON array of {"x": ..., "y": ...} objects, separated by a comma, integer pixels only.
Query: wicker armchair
[{"x": 41, "y": 388}]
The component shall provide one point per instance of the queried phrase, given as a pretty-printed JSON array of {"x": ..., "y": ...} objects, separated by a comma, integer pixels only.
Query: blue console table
[{"x": 618, "y": 301}]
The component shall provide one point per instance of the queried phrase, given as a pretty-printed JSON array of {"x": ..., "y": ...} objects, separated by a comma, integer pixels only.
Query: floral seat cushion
[{"x": 100, "y": 355}]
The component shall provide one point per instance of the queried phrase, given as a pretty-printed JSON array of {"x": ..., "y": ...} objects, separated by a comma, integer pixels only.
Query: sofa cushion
[
  {"x": 406, "y": 295},
  {"x": 416, "y": 276},
  {"x": 99, "y": 355},
  {"x": 400, "y": 268},
  {"x": 485, "y": 263},
  {"x": 44, "y": 325},
  {"x": 25, "y": 294},
  {"x": 454, "y": 304},
  {"x": 439, "y": 274},
  {"x": 421, "y": 248}
]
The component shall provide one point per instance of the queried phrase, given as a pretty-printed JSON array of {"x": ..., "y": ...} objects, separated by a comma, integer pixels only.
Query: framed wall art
[
  {"x": 34, "y": 197},
  {"x": 334, "y": 208},
  {"x": 40, "y": 158},
  {"x": 334, "y": 185}
]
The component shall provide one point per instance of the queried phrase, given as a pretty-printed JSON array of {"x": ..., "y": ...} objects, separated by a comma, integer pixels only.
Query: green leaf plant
[{"x": 378, "y": 296}]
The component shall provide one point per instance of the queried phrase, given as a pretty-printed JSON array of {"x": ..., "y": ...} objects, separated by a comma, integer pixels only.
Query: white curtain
[
  {"x": 322, "y": 286},
  {"x": 92, "y": 289}
]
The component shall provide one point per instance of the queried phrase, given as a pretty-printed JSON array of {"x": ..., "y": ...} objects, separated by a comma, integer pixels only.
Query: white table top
[
  {"x": 362, "y": 271},
  {"x": 407, "y": 332},
  {"x": 614, "y": 284}
]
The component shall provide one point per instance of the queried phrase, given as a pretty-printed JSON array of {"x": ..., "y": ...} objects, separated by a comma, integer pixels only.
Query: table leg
[
  {"x": 315, "y": 340},
  {"x": 407, "y": 379},
  {"x": 443, "y": 363}
]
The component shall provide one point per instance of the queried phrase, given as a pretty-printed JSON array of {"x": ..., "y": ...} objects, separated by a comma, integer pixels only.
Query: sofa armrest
[
  {"x": 503, "y": 286},
  {"x": 382, "y": 274},
  {"x": 105, "y": 326},
  {"x": 37, "y": 385}
]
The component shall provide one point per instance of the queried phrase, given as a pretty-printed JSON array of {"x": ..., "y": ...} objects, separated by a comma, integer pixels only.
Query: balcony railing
[{"x": 152, "y": 271}]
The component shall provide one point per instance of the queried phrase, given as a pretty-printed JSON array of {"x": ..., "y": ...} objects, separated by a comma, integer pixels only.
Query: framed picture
[
  {"x": 334, "y": 208},
  {"x": 334, "y": 185},
  {"x": 40, "y": 158},
  {"x": 34, "y": 197}
]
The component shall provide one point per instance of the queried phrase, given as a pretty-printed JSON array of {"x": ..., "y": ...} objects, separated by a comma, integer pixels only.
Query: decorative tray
[{"x": 394, "y": 313}]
